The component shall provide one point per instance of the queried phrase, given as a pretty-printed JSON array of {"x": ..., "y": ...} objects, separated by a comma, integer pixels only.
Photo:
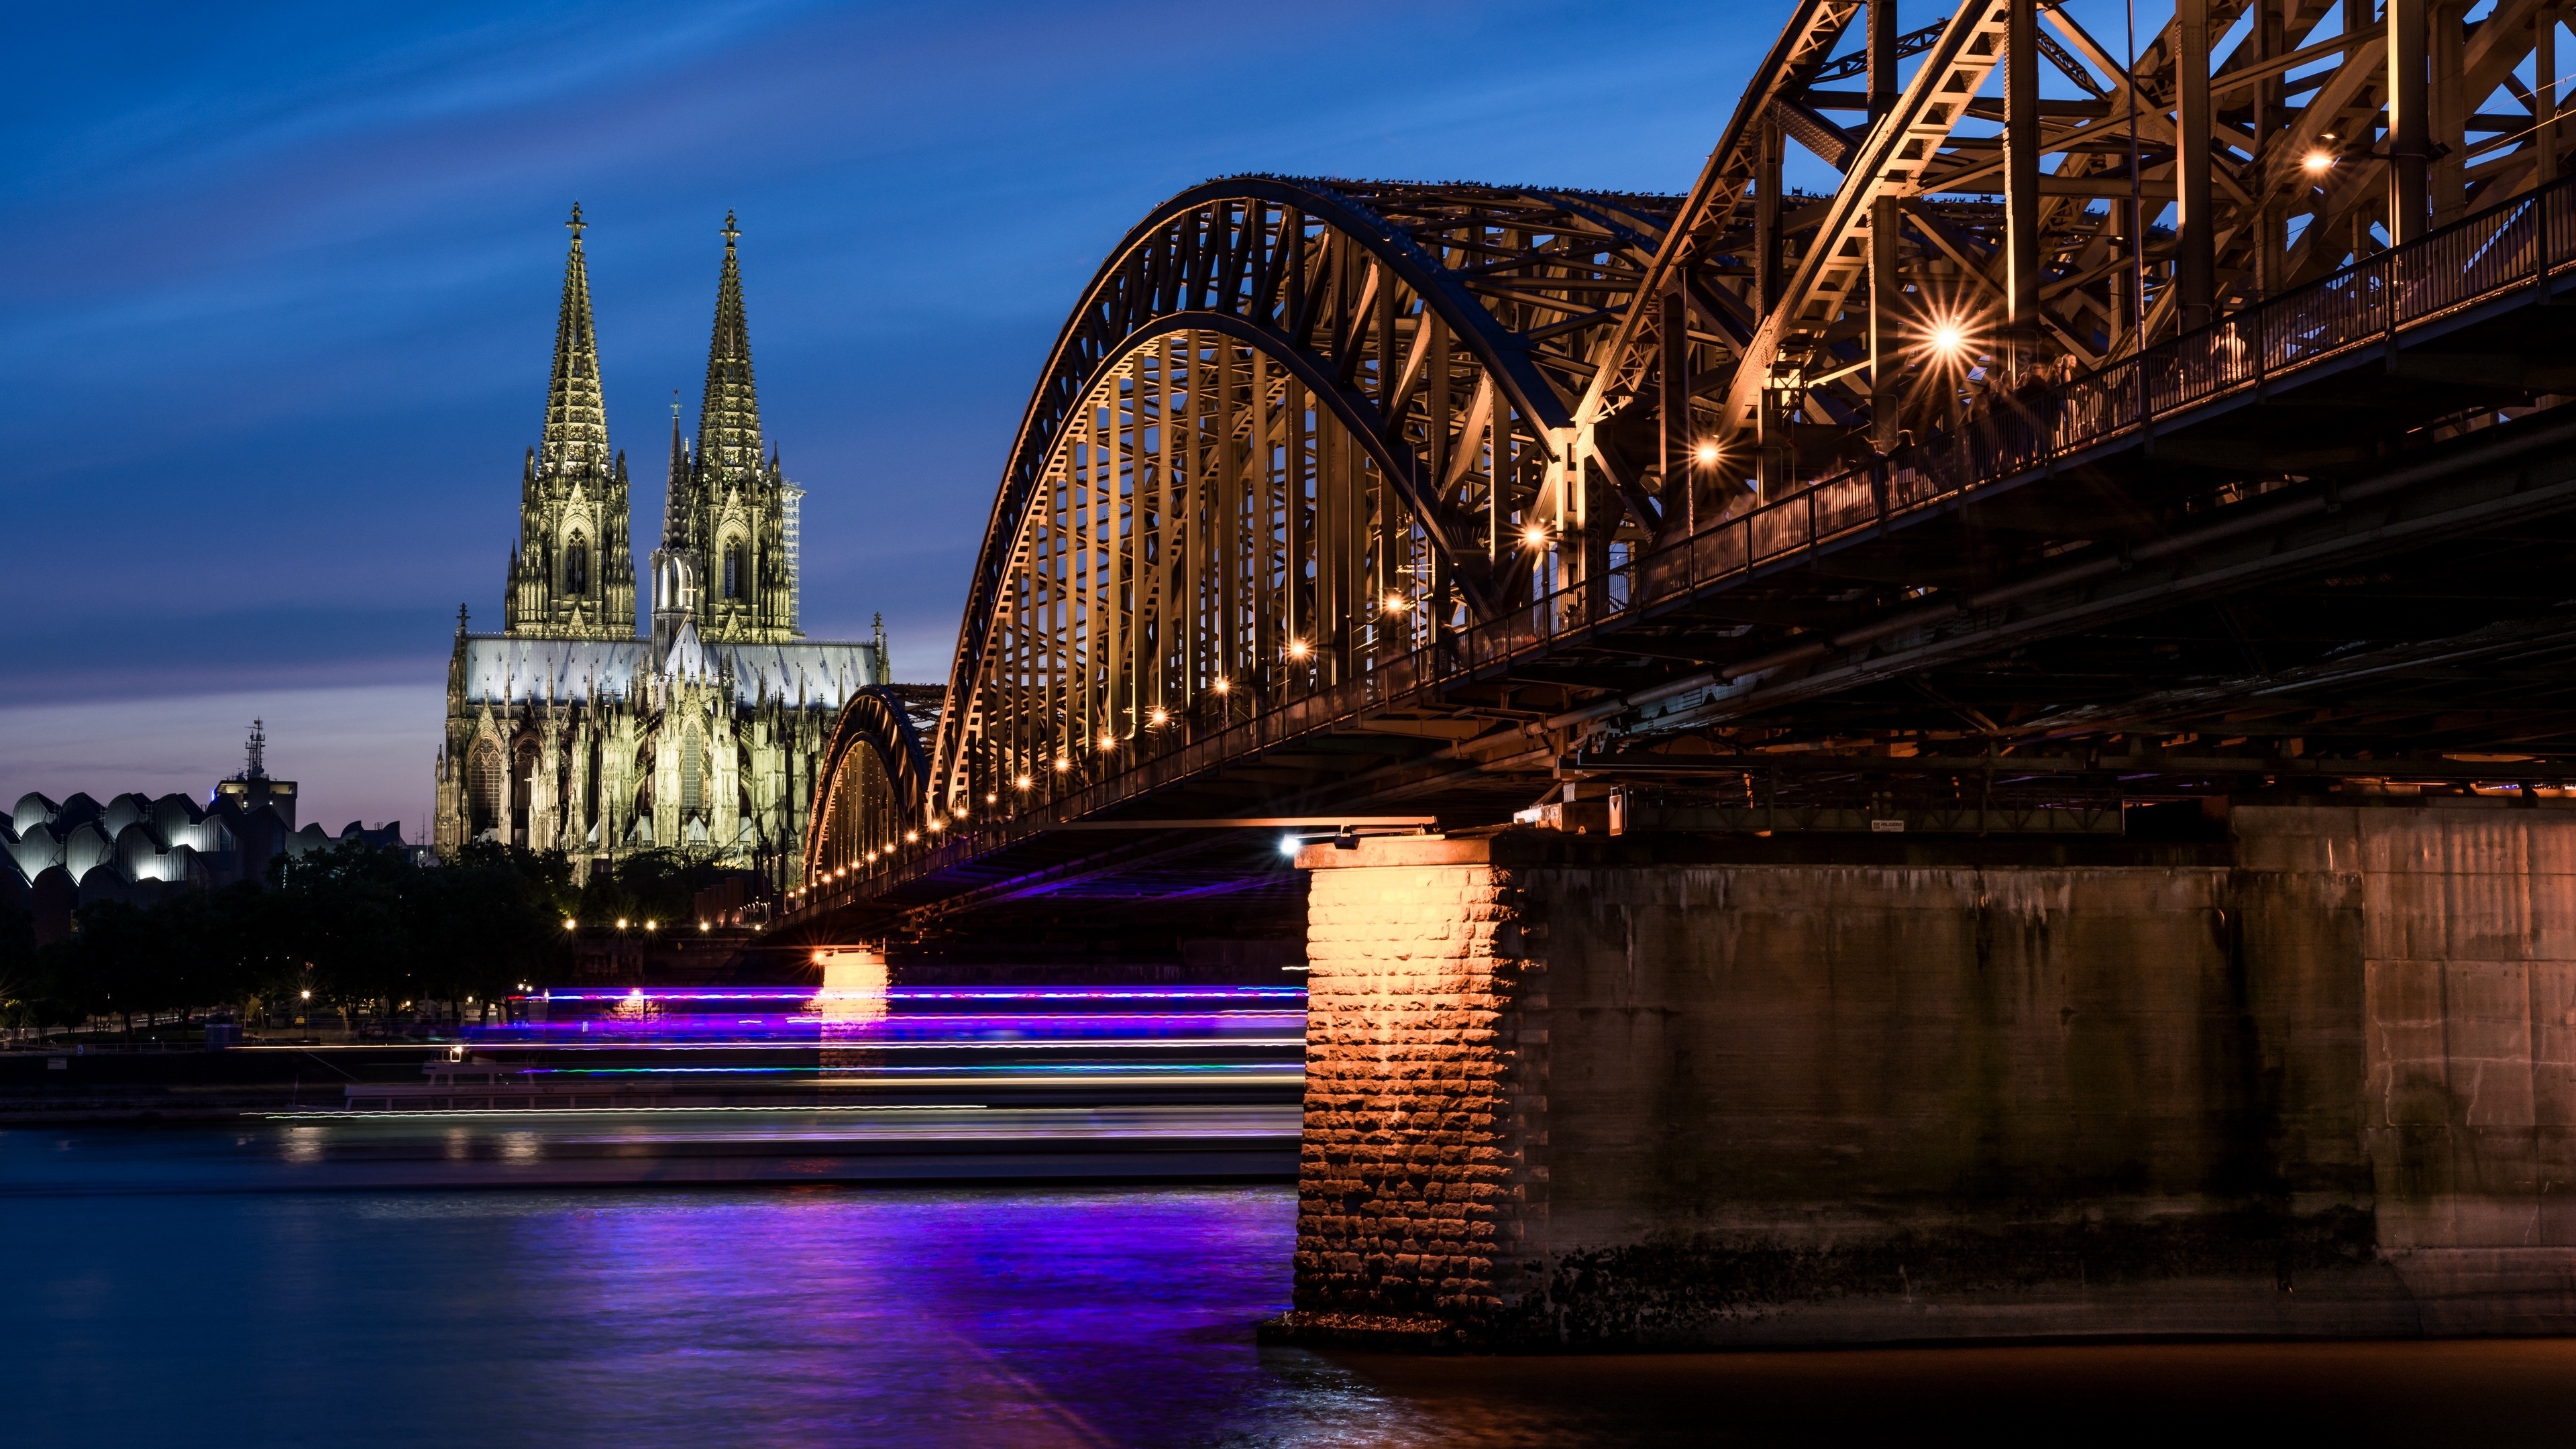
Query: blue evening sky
[{"x": 280, "y": 286}]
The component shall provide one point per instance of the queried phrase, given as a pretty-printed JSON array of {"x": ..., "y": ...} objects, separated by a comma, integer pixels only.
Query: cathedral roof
[
  {"x": 729, "y": 414},
  {"x": 576, "y": 436},
  {"x": 500, "y": 668},
  {"x": 688, "y": 658}
]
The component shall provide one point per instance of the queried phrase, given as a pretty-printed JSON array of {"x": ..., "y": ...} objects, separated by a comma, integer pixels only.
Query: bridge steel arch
[
  {"x": 1307, "y": 446},
  {"x": 871, "y": 776},
  {"x": 1293, "y": 427}
]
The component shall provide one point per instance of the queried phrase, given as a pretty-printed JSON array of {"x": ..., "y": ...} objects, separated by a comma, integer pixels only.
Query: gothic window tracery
[
  {"x": 733, "y": 569},
  {"x": 577, "y": 567},
  {"x": 484, "y": 785},
  {"x": 692, "y": 773},
  {"x": 523, "y": 784}
]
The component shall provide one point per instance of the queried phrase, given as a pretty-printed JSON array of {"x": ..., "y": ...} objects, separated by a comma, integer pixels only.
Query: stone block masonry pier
[{"x": 2317, "y": 1078}]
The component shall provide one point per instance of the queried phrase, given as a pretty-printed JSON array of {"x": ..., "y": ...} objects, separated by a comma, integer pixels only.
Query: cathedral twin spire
[
  {"x": 576, "y": 434},
  {"x": 729, "y": 414},
  {"x": 727, "y": 560},
  {"x": 572, "y": 574}
]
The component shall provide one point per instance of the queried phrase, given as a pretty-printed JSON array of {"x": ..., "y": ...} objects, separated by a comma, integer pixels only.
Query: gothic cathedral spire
[
  {"x": 572, "y": 574},
  {"x": 729, "y": 415},
  {"x": 576, "y": 435},
  {"x": 738, "y": 521}
]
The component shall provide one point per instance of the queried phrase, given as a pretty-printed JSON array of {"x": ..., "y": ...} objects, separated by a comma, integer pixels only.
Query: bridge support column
[{"x": 1666, "y": 1092}]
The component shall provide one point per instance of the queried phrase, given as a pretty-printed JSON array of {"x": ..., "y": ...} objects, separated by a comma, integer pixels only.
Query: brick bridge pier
[{"x": 1638, "y": 1091}]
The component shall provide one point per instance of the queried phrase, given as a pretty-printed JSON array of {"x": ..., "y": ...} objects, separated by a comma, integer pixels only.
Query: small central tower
[
  {"x": 675, "y": 564},
  {"x": 573, "y": 574}
]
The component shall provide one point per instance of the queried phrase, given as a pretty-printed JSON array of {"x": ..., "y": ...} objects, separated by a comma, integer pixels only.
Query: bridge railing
[{"x": 2519, "y": 243}]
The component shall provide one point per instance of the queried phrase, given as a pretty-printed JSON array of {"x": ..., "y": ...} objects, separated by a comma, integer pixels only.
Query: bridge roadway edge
[{"x": 1634, "y": 1093}]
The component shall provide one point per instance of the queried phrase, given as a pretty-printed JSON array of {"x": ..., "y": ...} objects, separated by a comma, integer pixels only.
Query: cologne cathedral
[{"x": 569, "y": 731}]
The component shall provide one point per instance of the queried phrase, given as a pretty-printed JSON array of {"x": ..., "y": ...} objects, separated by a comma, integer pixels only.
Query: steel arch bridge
[{"x": 1337, "y": 496}]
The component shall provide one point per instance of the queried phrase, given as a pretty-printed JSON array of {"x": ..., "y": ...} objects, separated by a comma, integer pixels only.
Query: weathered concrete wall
[{"x": 1596, "y": 1092}]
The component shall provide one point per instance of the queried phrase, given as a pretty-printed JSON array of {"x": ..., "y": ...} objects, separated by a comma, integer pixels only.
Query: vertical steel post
[
  {"x": 1882, "y": 58},
  {"x": 2196, "y": 241},
  {"x": 2409, "y": 121},
  {"x": 2544, "y": 91},
  {"x": 1885, "y": 349},
  {"x": 1767, "y": 252},
  {"x": 2271, "y": 239},
  {"x": 1884, "y": 283},
  {"x": 2447, "y": 100},
  {"x": 2021, "y": 181},
  {"x": 1770, "y": 259},
  {"x": 1672, "y": 321}
]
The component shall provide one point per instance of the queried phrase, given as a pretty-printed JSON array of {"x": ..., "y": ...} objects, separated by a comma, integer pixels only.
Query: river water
[{"x": 209, "y": 1304}]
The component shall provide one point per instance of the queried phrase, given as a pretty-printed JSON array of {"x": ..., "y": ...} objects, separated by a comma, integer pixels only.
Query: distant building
[
  {"x": 566, "y": 731},
  {"x": 141, "y": 850}
]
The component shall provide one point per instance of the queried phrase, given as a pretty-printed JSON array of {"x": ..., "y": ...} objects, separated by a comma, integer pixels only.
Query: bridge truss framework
[{"x": 1499, "y": 479}]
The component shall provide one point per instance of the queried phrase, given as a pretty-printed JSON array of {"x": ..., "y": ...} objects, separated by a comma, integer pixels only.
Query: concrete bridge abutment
[{"x": 1649, "y": 1092}]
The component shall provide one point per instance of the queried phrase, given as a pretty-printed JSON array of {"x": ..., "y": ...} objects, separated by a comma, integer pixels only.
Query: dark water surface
[{"x": 136, "y": 1312}]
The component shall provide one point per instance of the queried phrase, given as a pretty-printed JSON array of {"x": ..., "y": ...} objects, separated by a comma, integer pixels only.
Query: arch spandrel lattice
[
  {"x": 2265, "y": 144},
  {"x": 1292, "y": 428}
]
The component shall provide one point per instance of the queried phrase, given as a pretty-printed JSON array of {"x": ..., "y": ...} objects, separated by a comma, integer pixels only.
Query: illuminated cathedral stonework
[{"x": 566, "y": 731}]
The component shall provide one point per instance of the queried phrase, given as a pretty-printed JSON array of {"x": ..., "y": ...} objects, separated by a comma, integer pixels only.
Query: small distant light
[
  {"x": 960, "y": 812},
  {"x": 1108, "y": 741},
  {"x": 1063, "y": 762},
  {"x": 1221, "y": 685},
  {"x": 1706, "y": 454},
  {"x": 621, "y": 923},
  {"x": 702, "y": 925},
  {"x": 937, "y": 824},
  {"x": 308, "y": 996},
  {"x": 912, "y": 837},
  {"x": 568, "y": 925},
  {"x": 1534, "y": 536},
  {"x": 992, "y": 797},
  {"x": 649, "y": 925},
  {"x": 1157, "y": 718},
  {"x": 1394, "y": 604},
  {"x": 1948, "y": 338},
  {"x": 2319, "y": 162},
  {"x": 1021, "y": 783},
  {"x": 1299, "y": 648},
  {"x": 1288, "y": 845}
]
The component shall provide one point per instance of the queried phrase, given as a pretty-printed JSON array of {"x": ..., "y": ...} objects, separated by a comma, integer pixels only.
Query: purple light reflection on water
[
  {"x": 995, "y": 1316},
  {"x": 802, "y": 1316}
]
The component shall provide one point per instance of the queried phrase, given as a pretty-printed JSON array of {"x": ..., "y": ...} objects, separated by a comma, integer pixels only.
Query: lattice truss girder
[
  {"x": 1295, "y": 428},
  {"x": 1774, "y": 319}
]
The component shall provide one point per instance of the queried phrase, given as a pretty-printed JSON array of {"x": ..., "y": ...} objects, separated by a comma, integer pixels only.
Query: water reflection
[{"x": 996, "y": 1316}]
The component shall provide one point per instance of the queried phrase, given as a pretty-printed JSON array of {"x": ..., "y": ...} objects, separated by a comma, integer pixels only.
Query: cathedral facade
[{"x": 569, "y": 731}]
